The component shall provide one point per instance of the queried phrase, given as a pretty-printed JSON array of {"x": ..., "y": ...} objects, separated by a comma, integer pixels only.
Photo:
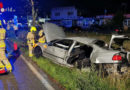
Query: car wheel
[{"x": 37, "y": 52}]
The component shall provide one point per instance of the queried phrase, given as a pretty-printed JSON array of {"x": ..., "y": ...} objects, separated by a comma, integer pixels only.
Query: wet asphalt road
[{"x": 22, "y": 78}]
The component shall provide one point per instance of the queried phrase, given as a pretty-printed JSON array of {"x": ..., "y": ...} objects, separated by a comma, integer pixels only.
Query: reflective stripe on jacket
[
  {"x": 30, "y": 37},
  {"x": 2, "y": 44},
  {"x": 42, "y": 39},
  {"x": 2, "y": 33}
]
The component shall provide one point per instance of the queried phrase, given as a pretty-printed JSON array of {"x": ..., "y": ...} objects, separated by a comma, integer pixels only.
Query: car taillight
[{"x": 116, "y": 58}]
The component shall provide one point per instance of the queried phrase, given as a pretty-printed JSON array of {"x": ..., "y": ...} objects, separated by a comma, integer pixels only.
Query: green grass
[{"x": 72, "y": 78}]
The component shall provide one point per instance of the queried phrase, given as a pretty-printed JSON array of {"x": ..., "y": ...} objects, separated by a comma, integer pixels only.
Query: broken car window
[{"x": 65, "y": 44}]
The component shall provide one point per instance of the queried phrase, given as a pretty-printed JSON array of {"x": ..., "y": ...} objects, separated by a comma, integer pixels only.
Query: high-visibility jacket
[
  {"x": 2, "y": 33},
  {"x": 30, "y": 37},
  {"x": 2, "y": 44},
  {"x": 41, "y": 33},
  {"x": 41, "y": 39}
]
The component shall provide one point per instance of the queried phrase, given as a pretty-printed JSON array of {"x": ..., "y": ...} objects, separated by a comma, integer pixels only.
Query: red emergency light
[
  {"x": 1, "y": 5},
  {"x": 15, "y": 46},
  {"x": 2, "y": 71}
]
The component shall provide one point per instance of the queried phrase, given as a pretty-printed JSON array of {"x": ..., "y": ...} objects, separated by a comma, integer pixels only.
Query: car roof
[{"x": 85, "y": 40}]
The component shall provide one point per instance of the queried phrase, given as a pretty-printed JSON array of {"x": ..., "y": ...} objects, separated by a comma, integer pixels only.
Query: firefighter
[
  {"x": 41, "y": 37},
  {"x": 31, "y": 40},
  {"x": 4, "y": 62}
]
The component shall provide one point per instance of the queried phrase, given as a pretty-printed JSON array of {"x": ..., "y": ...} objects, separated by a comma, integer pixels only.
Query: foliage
[
  {"x": 73, "y": 79},
  {"x": 115, "y": 23},
  {"x": 31, "y": 7},
  {"x": 117, "y": 20}
]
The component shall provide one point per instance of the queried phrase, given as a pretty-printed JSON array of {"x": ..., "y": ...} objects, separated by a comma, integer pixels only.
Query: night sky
[
  {"x": 91, "y": 7},
  {"x": 87, "y": 7}
]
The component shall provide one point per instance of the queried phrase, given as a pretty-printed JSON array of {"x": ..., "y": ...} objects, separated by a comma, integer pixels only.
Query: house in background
[
  {"x": 64, "y": 13},
  {"x": 68, "y": 17},
  {"x": 103, "y": 19},
  {"x": 85, "y": 22},
  {"x": 64, "y": 16}
]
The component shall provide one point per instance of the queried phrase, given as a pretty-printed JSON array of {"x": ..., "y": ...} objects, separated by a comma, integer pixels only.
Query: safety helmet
[{"x": 33, "y": 29}]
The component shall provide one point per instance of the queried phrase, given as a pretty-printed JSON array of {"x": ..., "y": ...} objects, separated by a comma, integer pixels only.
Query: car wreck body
[{"x": 79, "y": 51}]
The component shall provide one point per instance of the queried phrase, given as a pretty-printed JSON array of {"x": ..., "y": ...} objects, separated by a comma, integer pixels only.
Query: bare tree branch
[{"x": 34, "y": 13}]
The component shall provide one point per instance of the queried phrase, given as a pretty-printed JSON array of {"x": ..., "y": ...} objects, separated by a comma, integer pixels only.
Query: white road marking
[{"x": 39, "y": 76}]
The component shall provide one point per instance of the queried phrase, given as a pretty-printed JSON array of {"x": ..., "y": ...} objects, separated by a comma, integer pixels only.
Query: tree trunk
[{"x": 34, "y": 14}]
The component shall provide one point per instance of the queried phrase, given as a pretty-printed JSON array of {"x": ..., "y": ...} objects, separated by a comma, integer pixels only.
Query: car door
[{"x": 58, "y": 50}]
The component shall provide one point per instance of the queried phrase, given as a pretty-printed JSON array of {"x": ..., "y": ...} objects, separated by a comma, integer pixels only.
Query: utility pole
[{"x": 34, "y": 13}]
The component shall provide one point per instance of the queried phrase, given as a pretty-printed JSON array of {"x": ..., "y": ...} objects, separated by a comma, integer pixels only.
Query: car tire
[{"x": 37, "y": 52}]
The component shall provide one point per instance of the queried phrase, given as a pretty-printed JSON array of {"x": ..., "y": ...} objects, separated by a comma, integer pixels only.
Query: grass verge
[{"x": 71, "y": 78}]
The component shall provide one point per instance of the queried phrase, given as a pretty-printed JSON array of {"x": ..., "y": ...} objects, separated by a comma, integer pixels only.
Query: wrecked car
[{"x": 81, "y": 51}]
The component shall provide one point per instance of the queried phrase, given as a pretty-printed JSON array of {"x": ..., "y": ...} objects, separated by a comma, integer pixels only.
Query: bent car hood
[{"x": 53, "y": 32}]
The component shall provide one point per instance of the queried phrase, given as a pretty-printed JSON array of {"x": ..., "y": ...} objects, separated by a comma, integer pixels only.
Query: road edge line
[{"x": 39, "y": 76}]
